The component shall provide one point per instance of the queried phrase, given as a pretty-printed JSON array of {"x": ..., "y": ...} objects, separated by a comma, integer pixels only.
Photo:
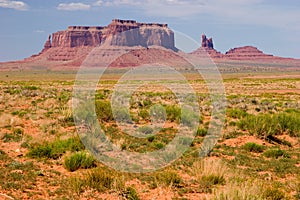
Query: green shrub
[
  {"x": 30, "y": 87},
  {"x": 158, "y": 113},
  {"x": 173, "y": 113},
  {"x": 144, "y": 114},
  {"x": 56, "y": 149},
  {"x": 207, "y": 182},
  {"x": 276, "y": 153},
  {"x": 102, "y": 180},
  {"x": 122, "y": 115},
  {"x": 151, "y": 138},
  {"x": 145, "y": 130},
  {"x": 131, "y": 194},
  {"x": 41, "y": 151},
  {"x": 15, "y": 136},
  {"x": 168, "y": 178},
  {"x": 261, "y": 125},
  {"x": 159, "y": 145},
  {"x": 272, "y": 124},
  {"x": 213, "y": 180},
  {"x": 253, "y": 147},
  {"x": 103, "y": 110},
  {"x": 201, "y": 132},
  {"x": 3, "y": 155},
  {"x": 79, "y": 160},
  {"x": 289, "y": 123},
  {"x": 77, "y": 184},
  {"x": 273, "y": 194},
  {"x": 188, "y": 118},
  {"x": 236, "y": 113}
]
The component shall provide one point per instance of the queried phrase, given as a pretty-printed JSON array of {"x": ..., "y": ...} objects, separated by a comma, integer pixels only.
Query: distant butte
[
  {"x": 239, "y": 53},
  {"x": 68, "y": 49}
]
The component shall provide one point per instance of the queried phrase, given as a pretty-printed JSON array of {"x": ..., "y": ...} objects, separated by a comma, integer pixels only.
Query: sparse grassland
[{"x": 257, "y": 157}]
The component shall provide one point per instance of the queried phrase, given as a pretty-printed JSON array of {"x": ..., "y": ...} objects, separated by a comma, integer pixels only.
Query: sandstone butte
[{"x": 68, "y": 49}]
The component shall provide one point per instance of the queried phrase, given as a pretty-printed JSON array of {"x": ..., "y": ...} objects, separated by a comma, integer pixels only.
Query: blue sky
[{"x": 271, "y": 25}]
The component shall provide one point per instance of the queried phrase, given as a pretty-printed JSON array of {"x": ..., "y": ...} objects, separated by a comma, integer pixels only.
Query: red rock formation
[
  {"x": 246, "y": 53},
  {"x": 130, "y": 33},
  {"x": 47, "y": 44},
  {"x": 208, "y": 46},
  {"x": 240, "y": 53},
  {"x": 207, "y": 43}
]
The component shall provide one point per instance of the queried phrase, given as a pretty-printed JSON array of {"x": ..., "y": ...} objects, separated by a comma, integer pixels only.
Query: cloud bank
[
  {"x": 16, "y": 5},
  {"x": 73, "y": 6}
]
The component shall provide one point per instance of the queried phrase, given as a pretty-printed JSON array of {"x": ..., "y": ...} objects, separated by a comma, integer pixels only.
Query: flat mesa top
[{"x": 117, "y": 22}]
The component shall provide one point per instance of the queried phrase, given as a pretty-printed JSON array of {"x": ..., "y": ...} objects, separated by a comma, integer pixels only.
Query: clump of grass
[
  {"x": 145, "y": 130},
  {"x": 213, "y": 180},
  {"x": 103, "y": 110},
  {"x": 76, "y": 184},
  {"x": 168, "y": 179},
  {"x": 79, "y": 160},
  {"x": 15, "y": 136},
  {"x": 272, "y": 124},
  {"x": 12, "y": 180},
  {"x": 19, "y": 113},
  {"x": 3, "y": 155},
  {"x": 273, "y": 194},
  {"x": 131, "y": 194},
  {"x": 103, "y": 180},
  {"x": 201, "y": 132},
  {"x": 276, "y": 153},
  {"x": 121, "y": 115},
  {"x": 173, "y": 113},
  {"x": 240, "y": 190},
  {"x": 208, "y": 173},
  {"x": 253, "y": 147},
  {"x": 236, "y": 113},
  {"x": 55, "y": 149},
  {"x": 207, "y": 182},
  {"x": 30, "y": 87},
  {"x": 188, "y": 118},
  {"x": 144, "y": 114}
]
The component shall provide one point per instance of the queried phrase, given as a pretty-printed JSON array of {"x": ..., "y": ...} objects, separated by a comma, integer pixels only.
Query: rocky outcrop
[
  {"x": 207, "y": 43},
  {"x": 47, "y": 44},
  {"x": 208, "y": 46},
  {"x": 117, "y": 33},
  {"x": 246, "y": 53},
  {"x": 239, "y": 53}
]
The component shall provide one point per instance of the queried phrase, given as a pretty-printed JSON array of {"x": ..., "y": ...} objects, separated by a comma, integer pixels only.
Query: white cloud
[
  {"x": 39, "y": 31},
  {"x": 123, "y": 2},
  {"x": 73, "y": 6},
  {"x": 98, "y": 3},
  {"x": 17, "y": 5}
]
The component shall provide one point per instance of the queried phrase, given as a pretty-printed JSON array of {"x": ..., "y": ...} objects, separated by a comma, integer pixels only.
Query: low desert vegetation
[
  {"x": 257, "y": 157},
  {"x": 253, "y": 147},
  {"x": 55, "y": 150},
  {"x": 265, "y": 125},
  {"x": 79, "y": 160}
]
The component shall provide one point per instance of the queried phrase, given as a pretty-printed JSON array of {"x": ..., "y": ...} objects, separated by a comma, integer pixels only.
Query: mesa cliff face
[
  {"x": 117, "y": 33},
  {"x": 75, "y": 43}
]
